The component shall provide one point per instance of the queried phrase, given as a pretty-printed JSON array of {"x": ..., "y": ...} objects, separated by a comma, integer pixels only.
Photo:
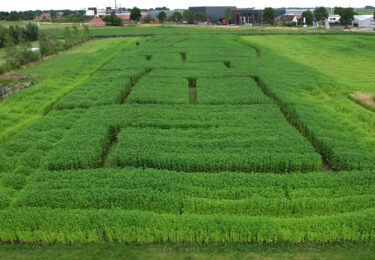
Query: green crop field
[{"x": 199, "y": 138}]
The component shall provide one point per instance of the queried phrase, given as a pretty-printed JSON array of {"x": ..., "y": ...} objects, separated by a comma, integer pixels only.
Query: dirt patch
[
  {"x": 16, "y": 76},
  {"x": 366, "y": 100},
  {"x": 8, "y": 89}
]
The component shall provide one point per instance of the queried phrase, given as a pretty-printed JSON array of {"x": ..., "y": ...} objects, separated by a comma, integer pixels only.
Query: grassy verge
[{"x": 181, "y": 251}]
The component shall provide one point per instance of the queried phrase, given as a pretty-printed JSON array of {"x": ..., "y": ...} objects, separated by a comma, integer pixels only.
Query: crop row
[
  {"x": 270, "y": 143},
  {"x": 26, "y": 150},
  {"x": 231, "y": 90},
  {"x": 164, "y": 192},
  {"x": 254, "y": 149},
  {"x": 67, "y": 226}
]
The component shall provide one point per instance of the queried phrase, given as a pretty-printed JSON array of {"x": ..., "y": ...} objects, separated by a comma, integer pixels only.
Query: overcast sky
[{"x": 10, "y": 5}]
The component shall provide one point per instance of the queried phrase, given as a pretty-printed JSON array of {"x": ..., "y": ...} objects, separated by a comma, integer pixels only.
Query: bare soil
[{"x": 367, "y": 99}]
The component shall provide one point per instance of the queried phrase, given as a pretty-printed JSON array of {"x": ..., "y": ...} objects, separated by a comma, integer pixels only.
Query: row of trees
[
  {"x": 320, "y": 14},
  {"x": 186, "y": 15},
  {"x": 68, "y": 15},
  {"x": 20, "y": 53},
  {"x": 17, "y": 34}
]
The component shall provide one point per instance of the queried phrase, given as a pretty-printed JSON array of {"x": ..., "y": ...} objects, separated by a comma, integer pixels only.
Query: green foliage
[
  {"x": 320, "y": 14},
  {"x": 14, "y": 181},
  {"x": 347, "y": 16},
  {"x": 269, "y": 15},
  {"x": 135, "y": 14},
  {"x": 176, "y": 17},
  {"x": 116, "y": 225},
  {"x": 68, "y": 37},
  {"x": 187, "y": 15},
  {"x": 341, "y": 147},
  {"x": 228, "y": 15},
  {"x": 260, "y": 108},
  {"x": 147, "y": 19},
  {"x": 32, "y": 31},
  {"x": 112, "y": 20},
  {"x": 308, "y": 15},
  {"x": 48, "y": 45},
  {"x": 199, "y": 16},
  {"x": 162, "y": 16}
]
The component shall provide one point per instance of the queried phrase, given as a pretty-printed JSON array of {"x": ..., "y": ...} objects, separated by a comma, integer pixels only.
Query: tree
[
  {"x": 147, "y": 19},
  {"x": 86, "y": 33},
  {"x": 228, "y": 15},
  {"x": 164, "y": 8},
  {"x": 32, "y": 32},
  {"x": 113, "y": 20},
  {"x": 3, "y": 34},
  {"x": 269, "y": 15},
  {"x": 199, "y": 16},
  {"x": 176, "y": 17},
  {"x": 135, "y": 14},
  {"x": 187, "y": 15},
  {"x": 337, "y": 10},
  {"x": 308, "y": 16},
  {"x": 68, "y": 37},
  {"x": 347, "y": 16},
  {"x": 320, "y": 14},
  {"x": 162, "y": 16}
]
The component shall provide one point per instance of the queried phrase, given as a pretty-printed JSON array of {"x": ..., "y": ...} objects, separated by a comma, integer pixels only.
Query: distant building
[
  {"x": 101, "y": 12},
  {"x": 91, "y": 11},
  {"x": 288, "y": 19},
  {"x": 298, "y": 11},
  {"x": 97, "y": 22},
  {"x": 246, "y": 16},
  {"x": 212, "y": 13},
  {"x": 43, "y": 16},
  {"x": 108, "y": 10},
  {"x": 154, "y": 14},
  {"x": 125, "y": 17},
  {"x": 334, "y": 18},
  {"x": 363, "y": 21}
]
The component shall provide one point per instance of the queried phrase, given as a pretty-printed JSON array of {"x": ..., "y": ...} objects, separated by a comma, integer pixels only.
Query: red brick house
[
  {"x": 45, "y": 16},
  {"x": 97, "y": 22}
]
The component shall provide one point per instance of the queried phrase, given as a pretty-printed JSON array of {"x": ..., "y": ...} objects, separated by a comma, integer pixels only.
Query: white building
[
  {"x": 102, "y": 12},
  {"x": 334, "y": 18},
  {"x": 90, "y": 12},
  {"x": 363, "y": 21}
]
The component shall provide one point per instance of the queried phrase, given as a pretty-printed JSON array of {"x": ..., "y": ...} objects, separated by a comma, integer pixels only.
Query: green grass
[{"x": 365, "y": 11}]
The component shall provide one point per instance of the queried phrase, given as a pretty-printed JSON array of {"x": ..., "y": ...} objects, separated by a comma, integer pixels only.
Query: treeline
[
  {"x": 17, "y": 34},
  {"x": 68, "y": 15},
  {"x": 20, "y": 52}
]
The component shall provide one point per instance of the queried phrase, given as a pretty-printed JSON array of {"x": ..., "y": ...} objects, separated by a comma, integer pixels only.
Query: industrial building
[
  {"x": 247, "y": 16},
  {"x": 154, "y": 14},
  {"x": 212, "y": 14},
  {"x": 364, "y": 21}
]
